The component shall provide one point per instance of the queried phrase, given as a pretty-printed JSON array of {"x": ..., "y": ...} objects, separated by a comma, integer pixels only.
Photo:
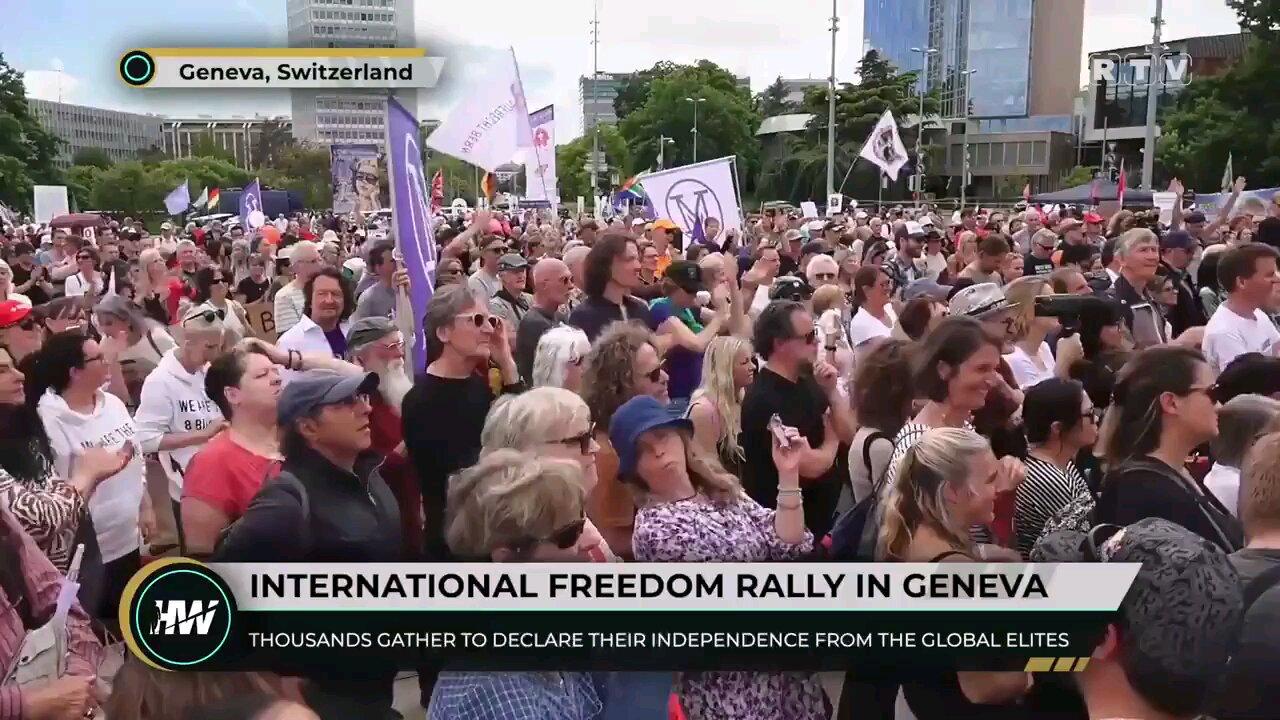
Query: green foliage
[
  {"x": 27, "y": 150},
  {"x": 800, "y": 172},
  {"x": 304, "y": 169},
  {"x": 95, "y": 156},
  {"x": 81, "y": 180},
  {"x": 571, "y": 161},
  {"x": 1009, "y": 187},
  {"x": 1260, "y": 17},
  {"x": 1079, "y": 175},
  {"x": 727, "y": 120},
  {"x": 635, "y": 92},
  {"x": 203, "y": 145},
  {"x": 773, "y": 100},
  {"x": 129, "y": 187},
  {"x": 272, "y": 142},
  {"x": 461, "y": 178}
]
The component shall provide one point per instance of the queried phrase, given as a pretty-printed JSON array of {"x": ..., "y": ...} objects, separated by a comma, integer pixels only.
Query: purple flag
[
  {"x": 251, "y": 206},
  {"x": 411, "y": 217}
]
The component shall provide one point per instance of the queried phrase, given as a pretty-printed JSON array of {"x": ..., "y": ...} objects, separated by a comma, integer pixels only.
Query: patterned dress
[
  {"x": 49, "y": 510},
  {"x": 700, "y": 530}
]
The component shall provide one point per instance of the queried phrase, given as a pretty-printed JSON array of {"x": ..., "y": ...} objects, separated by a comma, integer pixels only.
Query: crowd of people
[{"x": 892, "y": 384}]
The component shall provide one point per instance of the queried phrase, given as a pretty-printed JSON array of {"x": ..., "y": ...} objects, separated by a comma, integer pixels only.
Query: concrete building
[
  {"x": 796, "y": 88},
  {"x": 237, "y": 135},
  {"x": 597, "y": 96},
  {"x": 1000, "y": 66},
  {"x": 1116, "y": 115},
  {"x": 347, "y": 116},
  {"x": 121, "y": 134}
]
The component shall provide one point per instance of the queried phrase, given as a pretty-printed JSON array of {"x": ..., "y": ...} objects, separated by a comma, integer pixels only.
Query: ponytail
[{"x": 916, "y": 498}]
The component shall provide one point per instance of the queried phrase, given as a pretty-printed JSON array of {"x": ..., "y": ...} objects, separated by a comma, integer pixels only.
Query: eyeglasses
[
  {"x": 810, "y": 338},
  {"x": 394, "y": 346},
  {"x": 218, "y": 281},
  {"x": 583, "y": 441},
  {"x": 1209, "y": 390},
  {"x": 824, "y": 276},
  {"x": 479, "y": 319},
  {"x": 563, "y": 538},
  {"x": 655, "y": 375},
  {"x": 357, "y": 399},
  {"x": 206, "y": 315}
]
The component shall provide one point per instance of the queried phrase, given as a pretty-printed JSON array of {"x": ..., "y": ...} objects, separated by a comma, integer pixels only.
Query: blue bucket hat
[{"x": 636, "y": 417}]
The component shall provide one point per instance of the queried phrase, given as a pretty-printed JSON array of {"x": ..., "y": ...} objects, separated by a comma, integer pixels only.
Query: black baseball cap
[
  {"x": 686, "y": 275},
  {"x": 1178, "y": 240}
]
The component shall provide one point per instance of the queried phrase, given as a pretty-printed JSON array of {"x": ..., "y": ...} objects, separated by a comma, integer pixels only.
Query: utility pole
[
  {"x": 1149, "y": 155},
  {"x": 663, "y": 141},
  {"x": 595, "y": 100},
  {"x": 695, "y": 102},
  {"x": 919, "y": 174},
  {"x": 831, "y": 104},
  {"x": 964, "y": 162}
]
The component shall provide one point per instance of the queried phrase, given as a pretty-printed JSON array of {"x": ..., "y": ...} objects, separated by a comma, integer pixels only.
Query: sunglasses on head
[
  {"x": 479, "y": 319},
  {"x": 206, "y": 315},
  {"x": 563, "y": 538},
  {"x": 583, "y": 441}
]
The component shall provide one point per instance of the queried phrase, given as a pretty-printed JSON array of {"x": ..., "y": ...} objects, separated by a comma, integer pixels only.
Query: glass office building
[
  {"x": 1000, "y": 50},
  {"x": 893, "y": 27}
]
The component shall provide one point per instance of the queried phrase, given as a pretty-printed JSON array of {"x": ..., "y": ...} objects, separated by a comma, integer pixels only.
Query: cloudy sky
[{"x": 69, "y": 48}]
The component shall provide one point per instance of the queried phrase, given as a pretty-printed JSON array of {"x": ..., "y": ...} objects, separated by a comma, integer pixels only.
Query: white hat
[
  {"x": 914, "y": 229},
  {"x": 861, "y": 215},
  {"x": 815, "y": 225},
  {"x": 980, "y": 300},
  {"x": 926, "y": 221},
  {"x": 638, "y": 221}
]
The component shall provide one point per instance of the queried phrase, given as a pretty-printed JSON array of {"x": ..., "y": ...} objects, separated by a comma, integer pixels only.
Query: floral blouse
[{"x": 702, "y": 530}]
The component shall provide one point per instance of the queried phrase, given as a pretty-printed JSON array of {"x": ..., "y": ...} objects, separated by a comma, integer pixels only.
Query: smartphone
[{"x": 779, "y": 431}]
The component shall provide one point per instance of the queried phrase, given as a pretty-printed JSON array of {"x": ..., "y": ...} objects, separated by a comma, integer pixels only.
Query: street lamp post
[
  {"x": 663, "y": 142},
  {"x": 924, "y": 66},
  {"x": 1149, "y": 158},
  {"x": 695, "y": 102},
  {"x": 964, "y": 162},
  {"x": 831, "y": 104}
]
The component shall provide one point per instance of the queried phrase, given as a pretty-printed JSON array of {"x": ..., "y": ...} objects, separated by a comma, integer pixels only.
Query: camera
[{"x": 1068, "y": 309}]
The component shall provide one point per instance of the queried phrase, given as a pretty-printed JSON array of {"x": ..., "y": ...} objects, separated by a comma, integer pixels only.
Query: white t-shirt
[
  {"x": 1025, "y": 369},
  {"x": 1230, "y": 335},
  {"x": 864, "y": 326},
  {"x": 1224, "y": 483},
  {"x": 77, "y": 285}
]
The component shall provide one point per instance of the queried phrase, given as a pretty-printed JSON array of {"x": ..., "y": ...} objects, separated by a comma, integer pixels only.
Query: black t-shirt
[
  {"x": 36, "y": 294},
  {"x": 253, "y": 291},
  {"x": 437, "y": 449},
  {"x": 595, "y": 313},
  {"x": 1249, "y": 689},
  {"x": 801, "y": 405},
  {"x": 1146, "y": 488},
  {"x": 532, "y": 326},
  {"x": 1033, "y": 266}
]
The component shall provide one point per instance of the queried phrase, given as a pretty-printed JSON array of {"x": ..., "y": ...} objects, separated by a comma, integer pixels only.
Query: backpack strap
[
  {"x": 876, "y": 483},
  {"x": 1259, "y": 586},
  {"x": 1203, "y": 500}
]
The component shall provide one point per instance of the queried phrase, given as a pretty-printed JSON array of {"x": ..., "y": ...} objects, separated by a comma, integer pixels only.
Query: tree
[
  {"x": 95, "y": 156},
  {"x": 1259, "y": 17},
  {"x": 635, "y": 91},
  {"x": 130, "y": 188},
  {"x": 727, "y": 121},
  {"x": 461, "y": 178},
  {"x": 153, "y": 154},
  {"x": 27, "y": 150},
  {"x": 82, "y": 180},
  {"x": 273, "y": 139},
  {"x": 303, "y": 168},
  {"x": 800, "y": 173},
  {"x": 203, "y": 145},
  {"x": 773, "y": 100},
  {"x": 1079, "y": 175},
  {"x": 571, "y": 161}
]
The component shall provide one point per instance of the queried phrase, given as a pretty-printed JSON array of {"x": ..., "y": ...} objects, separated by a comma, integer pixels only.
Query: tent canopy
[{"x": 1084, "y": 195}]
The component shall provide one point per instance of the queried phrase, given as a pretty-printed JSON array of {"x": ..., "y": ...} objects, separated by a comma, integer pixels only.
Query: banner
[
  {"x": 1250, "y": 202},
  {"x": 178, "y": 200},
  {"x": 201, "y": 202},
  {"x": 884, "y": 148},
  {"x": 49, "y": 201},
  {"x": 489, "y": 127},
  {"x": 353, "y": 172},
  {"x": 411, "y": 217},
  {"x": 251, "y": 215},
  {"x": 184, "y": 615},
  {"x": 262, "y": 320},
  {"x": 540, "y": 166},
  {"x": 691, "y": 195}
]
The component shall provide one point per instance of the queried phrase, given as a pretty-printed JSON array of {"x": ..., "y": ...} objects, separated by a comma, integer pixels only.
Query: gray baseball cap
[
  {"x": 368, "y": 330},
  {"x": 316, "y": 388}
]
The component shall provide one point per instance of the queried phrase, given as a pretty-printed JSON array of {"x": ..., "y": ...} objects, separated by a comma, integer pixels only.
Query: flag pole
[
  {"x": 405, "y": 321},
  {"x": 537, "y": 156}
]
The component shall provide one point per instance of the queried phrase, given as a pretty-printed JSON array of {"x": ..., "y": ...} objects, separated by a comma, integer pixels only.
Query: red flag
[
  {"x": 1120, "y": 185},
  {"x": 1026, "y": 193},
  {"x": 437, "y": 190}
]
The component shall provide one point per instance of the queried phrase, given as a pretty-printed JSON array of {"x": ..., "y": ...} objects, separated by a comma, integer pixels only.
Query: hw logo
[{"x": 179, "y": 617}]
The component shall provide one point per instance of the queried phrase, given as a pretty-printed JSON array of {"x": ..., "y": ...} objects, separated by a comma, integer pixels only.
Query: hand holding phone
[{"x": 785, "y": 435}]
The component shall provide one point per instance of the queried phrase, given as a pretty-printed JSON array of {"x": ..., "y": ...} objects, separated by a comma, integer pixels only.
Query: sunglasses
[
  {"x": 583, "y": 441},
  {"x": 824, "y": 276},
  {"x": 206, "y": 315},
  {"x": 810, "y": 338},
  {"x": 84, "y": 257},
  {"x": 563, "y": 538},
  {"x": 479, "y": 319},
  {"x": 218, "y": 281},
  {"x": 655, "y": 375}
]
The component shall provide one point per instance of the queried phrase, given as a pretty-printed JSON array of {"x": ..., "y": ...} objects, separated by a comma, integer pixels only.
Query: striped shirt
[
  {"x": 1045, "y": 491},
  {"x": 40, "y": 591}
]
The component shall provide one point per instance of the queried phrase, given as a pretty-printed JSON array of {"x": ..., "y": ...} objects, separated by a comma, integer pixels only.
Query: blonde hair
[
  {"x": 916, "y": 498},
  {"x": 826, "y": 298},
  {"x": 1023, "y": 293},
  {"x": 509, "y": 498},
  {"x": 556, "y": 348},
  {"x": 529, "y": 419},
  {"x": 717, "y": 387}
]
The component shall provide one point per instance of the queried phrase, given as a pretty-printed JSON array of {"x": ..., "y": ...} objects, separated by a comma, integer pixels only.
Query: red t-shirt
[{"x": 227, "y": 476}]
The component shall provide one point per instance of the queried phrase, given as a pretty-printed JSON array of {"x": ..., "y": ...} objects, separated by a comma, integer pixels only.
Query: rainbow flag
[
  {"x": 213, "y": 200},
  {"x": 631, "y": 189}
]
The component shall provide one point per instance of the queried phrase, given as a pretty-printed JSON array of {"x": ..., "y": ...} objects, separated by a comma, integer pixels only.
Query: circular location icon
[{"x": 137, "y": 68}]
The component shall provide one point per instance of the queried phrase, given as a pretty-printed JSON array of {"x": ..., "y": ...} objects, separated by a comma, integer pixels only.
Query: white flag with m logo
[{"x": 690, "y": 195}]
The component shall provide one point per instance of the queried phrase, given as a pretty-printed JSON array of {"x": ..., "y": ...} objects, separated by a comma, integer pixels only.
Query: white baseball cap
[{"x": 861, "y": 215}]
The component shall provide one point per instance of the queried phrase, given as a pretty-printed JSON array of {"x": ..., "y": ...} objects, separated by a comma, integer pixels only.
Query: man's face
[
  {"x": 259, "y": 387},
  {"x": 1092, "y": 229},
  {"x": 712, "y": 228},
  {"x": 326, "y": 300},
  {"x": 910, "y": 247},
  {"x": 661, "y": 238},
  {"x": 513, "y": 281},
  {"x": 626, "y": 267},
  {"x": 110, "y": 252},
  {"x": 59, "y": 240},
  {"x": 969, "y": 222},
  {"x": 556, "y": 288},
  {"x": 803, "y": 343},
  {"x": 990, "y": 263},
  {"x": 588, "y": 235},
  {"x": 493, "y": 249},
  {"x": 378, "y": 354},
  {"x": 1033, "y": 223},
  {"x": 26, "y": 260},
  {"x": 1195, "y": 229},
  {"x": 187, "y": 257},
  {"x": 305, "y": 264},
  {"x": 649, "y": 259},
  {"x": 1177, "y": 258},
  {"x": 1073, "y": 236},
  {"x": 1142, "y": 260},
  {"x": 1077, "y": 285},
  {"x": 1259, "y": 288},
  {"x": 770, "y": 259},
  {"x": 343, "y": 427}
]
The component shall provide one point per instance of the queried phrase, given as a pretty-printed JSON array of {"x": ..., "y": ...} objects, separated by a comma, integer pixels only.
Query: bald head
[
  {"x": 548, "y": 268},
  {"x": 552, "y": 282}
]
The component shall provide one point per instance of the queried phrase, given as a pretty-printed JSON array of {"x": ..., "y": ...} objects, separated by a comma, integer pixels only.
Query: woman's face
[
  {"x": 6, "y": 276},
  {"x": 1196, "y": 412},
  {"x": 878, "y": 292},
  {"x": 576, "y": 441},
  {"x": 449, "y": 272},
  {"x": 969, "y": 383},
  {"x": 112, "y": 326},
  {"x": 849, "y": 266},
  {"x": 744, "y": 370},
  {"x": 95, "y": 371},
  {"x": 1085, "y": 433},
  {"x": 11, "y": 380},
  {"x": 1011, "y": 268},
  {"x": 661, "y": 461},
  {"x": 649, "y": 377},
  {"x": 573, "y": 371},
  {"x": 975, "y": 504},
  {"x": 1168, "y": 295}
]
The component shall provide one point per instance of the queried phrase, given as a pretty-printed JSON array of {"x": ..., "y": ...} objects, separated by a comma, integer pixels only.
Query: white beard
[{"x": 394, "y": 383}]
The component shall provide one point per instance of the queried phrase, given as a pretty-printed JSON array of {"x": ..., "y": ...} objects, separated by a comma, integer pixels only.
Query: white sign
[
  {"x": 1164, "y": 203},
  {"x": 50, "y": 201},
  {"x": 693, "y": 194},
  {"x": 540, "y": 162},
  {"x": 835, "y": 204},
  {"x": 1136, "y": 69},
  {"x": 809, "y": 208},
  {"x": 582, "y": 205}
]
